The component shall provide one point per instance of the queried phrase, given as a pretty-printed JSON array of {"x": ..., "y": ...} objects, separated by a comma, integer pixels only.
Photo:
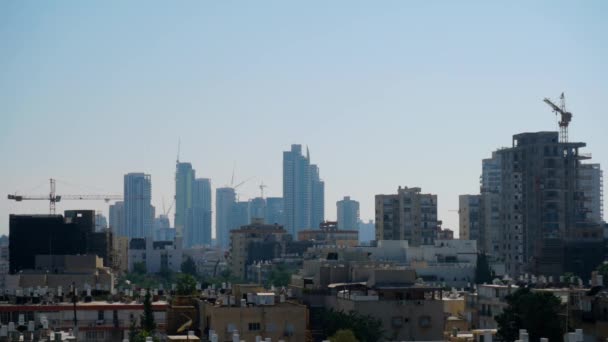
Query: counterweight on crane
[{"x": 53, "y": 198}]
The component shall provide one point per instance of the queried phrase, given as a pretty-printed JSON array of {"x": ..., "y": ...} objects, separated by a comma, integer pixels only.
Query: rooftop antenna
[
  {"x": 566, "y": 117},
  {"x": 232, "y": 179},
  {"x": 179, "y": 142}
]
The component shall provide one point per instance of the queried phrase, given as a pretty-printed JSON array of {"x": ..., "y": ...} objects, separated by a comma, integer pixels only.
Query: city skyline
[{"x": 392, "y": 101}]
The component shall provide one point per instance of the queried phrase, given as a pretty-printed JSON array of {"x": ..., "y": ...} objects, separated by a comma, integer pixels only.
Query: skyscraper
[
  {"x": 348, "y": 214},
  {"x": 274, "y": 211},
  {"x": 225, "y": 199},
  {"x": 240, "y": 215},
  {"x": 117, "y": 218},
  {"x": 101, "y": 223},
  {"x": 317, "y": 215},
  {"x": 138, "y": 212},
  {"x": 184, "y": 179},
  {"x": 408, "y": 215},
  {"x": 257, "y": 208},
  {"x": 198, "y": 218},
  {"x": 543, "y": 221},
  {"x": 303, "y": 191}
]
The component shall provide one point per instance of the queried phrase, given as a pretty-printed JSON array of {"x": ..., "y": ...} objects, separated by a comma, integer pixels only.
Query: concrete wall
[
  {"x": 402, "y": 320},
  {"x": 274, "y": 321}
]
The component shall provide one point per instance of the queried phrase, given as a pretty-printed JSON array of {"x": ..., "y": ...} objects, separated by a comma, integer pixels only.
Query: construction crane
[
  {"x": 566, "y": 117},
  {"x": 262, "y": 186},
  {"x": 53, "y": 198}
]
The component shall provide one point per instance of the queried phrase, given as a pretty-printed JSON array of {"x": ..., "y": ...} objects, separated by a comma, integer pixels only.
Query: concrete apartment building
[
  {"x": 408, "y": 311},
  {"x": 63, "y": 270},
  {"x": 449, "y": 262},
  {"x": 70, "y": 234},
  {"x": 348, "y": 214},
  {"x": 591, "y": 183},
  {"x": 469, "y": 217},
  {"x": 251, "y": 312},
  {"x": 254, "y": 242},
  {"x": 330, "y": 233},
  {"x": 120, "y": 257},
  {"x": 98, "y": 321},
  {"x": 156, "y": 255},
  {"x": 544, "y": 224},
  {"x": 408, "y": 215}
]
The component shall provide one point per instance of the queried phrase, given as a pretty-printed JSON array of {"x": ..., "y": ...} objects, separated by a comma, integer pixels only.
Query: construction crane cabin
[
  {"x": 53, "y": 198},
  {"x": 565, "y": 118}
]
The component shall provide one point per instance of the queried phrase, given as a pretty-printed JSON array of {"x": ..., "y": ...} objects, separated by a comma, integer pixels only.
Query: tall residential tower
[
  {"x": 138, "y": 210},
  {"x": 348, "y": 214},
  {"x": 303, "y": 191}
]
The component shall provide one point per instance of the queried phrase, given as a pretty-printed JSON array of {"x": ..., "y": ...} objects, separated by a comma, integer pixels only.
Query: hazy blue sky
[{"x": 384, "y": 93}]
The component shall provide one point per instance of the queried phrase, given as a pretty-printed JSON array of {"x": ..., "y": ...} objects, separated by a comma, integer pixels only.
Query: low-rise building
[
  {"x": 65, "y": 271},
  {"x": 445, "y": 262},
  {"x": 250, "y": 312},
  {"x": 96, "y": 321},
  {"x": 330, "y": 234},
  {"x": 255, "y": 242},
  {"x": 156, "y": 255}
]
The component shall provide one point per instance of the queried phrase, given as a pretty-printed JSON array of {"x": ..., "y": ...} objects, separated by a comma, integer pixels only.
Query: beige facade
[
  {"x": 285, "y": 321},
  {"x": 267, "y": 237},
  {"x": 408, "y": 215},
  {"x": 64, "y": 270},
  {"x": 121, "y": 254},
  {"x": 406, "y": 313}
]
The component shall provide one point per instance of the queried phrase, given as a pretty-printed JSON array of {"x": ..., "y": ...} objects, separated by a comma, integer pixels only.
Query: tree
[
  {"x": 133, "y": 330},
  {"x": 147, "y": 319},
  {"x": 602, "y": 269},
  {"x": 537, "y": 312},
  {"x": 279, "y": 276},
  {"x": 139, "y": 268},
  {"x": 365, "y": 328},
  {"x": 343, "y": 336},
  {"x": 189, "y": 267},
  {"x": 186, "y": 285},
  {"x": 483, "y": 273}
]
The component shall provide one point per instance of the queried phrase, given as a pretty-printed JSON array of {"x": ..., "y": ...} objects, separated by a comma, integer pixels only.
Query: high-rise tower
[
  {"x": 184, "y": 179},
  {"x": 303, "y": 191},
  {"x": 138, "y": 211}
]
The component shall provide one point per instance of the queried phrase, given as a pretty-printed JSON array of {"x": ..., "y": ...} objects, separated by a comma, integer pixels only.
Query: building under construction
[
  {"x": 545, "y": 226},
  {"x": 72, "y": 234}
]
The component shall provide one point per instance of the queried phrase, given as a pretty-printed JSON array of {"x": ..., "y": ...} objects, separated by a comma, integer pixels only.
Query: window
[
  {"x": 289, "y": 329},
  {"x": 230, "y": 327},
  {"x": 424, "y": 321},
  {"x": 397, "y": 321},
  {"x": 254, "y": 326},
  {"x": 271, "y": 327},
  {"x": 100, "y": 315}
]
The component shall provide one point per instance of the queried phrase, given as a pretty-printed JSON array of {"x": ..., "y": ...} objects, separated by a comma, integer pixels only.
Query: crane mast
[{"x": 565, "y": 117}]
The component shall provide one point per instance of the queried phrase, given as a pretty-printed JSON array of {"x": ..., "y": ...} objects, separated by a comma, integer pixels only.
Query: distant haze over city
[{"x": 398, "y": 94}]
